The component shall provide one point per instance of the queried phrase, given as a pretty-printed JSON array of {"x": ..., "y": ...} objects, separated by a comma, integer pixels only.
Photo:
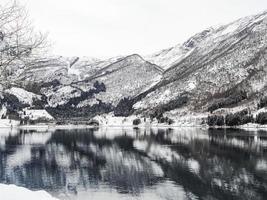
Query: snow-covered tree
[{"x": 20, "y": 44}]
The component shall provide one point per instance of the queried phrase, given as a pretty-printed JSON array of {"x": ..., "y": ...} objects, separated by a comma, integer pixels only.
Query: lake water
[{"x": 154, "y": 164}]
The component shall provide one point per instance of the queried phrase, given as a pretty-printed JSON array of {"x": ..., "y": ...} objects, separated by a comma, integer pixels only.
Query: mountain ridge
[{"x": 215, "y": 70}]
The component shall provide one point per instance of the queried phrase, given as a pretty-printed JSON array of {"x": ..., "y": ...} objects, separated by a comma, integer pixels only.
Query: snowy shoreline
[
  {"x": 127, "y": 122},
  {"x": 72, "y": 126},
  {"x": 13, "y": 192}
]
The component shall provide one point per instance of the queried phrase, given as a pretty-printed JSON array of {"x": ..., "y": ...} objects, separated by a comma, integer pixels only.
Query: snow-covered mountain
[
  {"x": 226, "y": 67},
  {"x": 221, "y": 69}
]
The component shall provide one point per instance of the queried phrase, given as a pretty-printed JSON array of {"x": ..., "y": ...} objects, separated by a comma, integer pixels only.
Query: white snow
[
  {"x": 36, "y": 114},
  {"x": 165, "y": 58},
  {"x": 230, "y": 29},
  {"x": 168, "y": 57},
  {"x": 111, "y": 120},
  {"x": 89, "y": 102},
  {"x": 23, "y": 95},
  {"x": 61, "y": 95},
  {"x": 12, "y": 192},
  {"x": 258, "y": 84},
  {"x": 261, "y": 17},
  {"x": 8, "y": 123},
  {"x": 3, "y": 112},
  {"x": 259, "y": 111},
  {"x": 191, "y": 85},
  {"x": 74, "y": 71}
]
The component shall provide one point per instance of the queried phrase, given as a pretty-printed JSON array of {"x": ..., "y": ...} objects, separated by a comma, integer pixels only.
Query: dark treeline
[{"x": 236, "y": 119}]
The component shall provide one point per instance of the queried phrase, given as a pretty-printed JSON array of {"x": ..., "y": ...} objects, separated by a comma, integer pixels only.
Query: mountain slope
[
  {"x": 103, "y": 89},
  {"x": 225, "y": 63},
  {"x": 221, "y": 69}
]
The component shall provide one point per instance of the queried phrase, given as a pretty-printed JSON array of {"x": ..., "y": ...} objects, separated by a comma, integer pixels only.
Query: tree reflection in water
[{"x": 137, "y": 163}]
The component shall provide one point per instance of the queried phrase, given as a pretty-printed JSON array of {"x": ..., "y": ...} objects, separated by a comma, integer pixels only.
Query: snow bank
[
  {"x": 34, "y": 114},
  {"x": 111, "y": 120},
  {"x": 253, "y": 127},
  {"x": 8, "y": 123},
  {"x": 12, "y": 192},
  {"x": 189, "y": 120}
]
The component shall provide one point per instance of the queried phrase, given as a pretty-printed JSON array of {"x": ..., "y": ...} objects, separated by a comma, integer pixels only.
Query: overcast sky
[{"x": 105, "y": 28}]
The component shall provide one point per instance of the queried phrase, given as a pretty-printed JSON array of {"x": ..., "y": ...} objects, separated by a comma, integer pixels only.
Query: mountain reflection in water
[{"x": 113, "y": 163}]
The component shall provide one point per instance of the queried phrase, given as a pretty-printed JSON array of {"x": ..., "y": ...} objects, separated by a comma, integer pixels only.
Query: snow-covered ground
[
  {"x": 12, "y": 192},
  {"x": 253, "y": 127},
  {"x": 111, "y": 120},
  {"x": 190, "y": 120},
  {"x": 8, "y": 123},
  {"x": 35, "y": 114}
]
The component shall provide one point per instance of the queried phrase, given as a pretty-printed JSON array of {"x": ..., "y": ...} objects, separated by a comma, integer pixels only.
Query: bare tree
[{"x": 20, "y": 44}]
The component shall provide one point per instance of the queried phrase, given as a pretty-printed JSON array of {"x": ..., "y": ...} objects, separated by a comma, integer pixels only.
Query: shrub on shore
[
  {"x": 261, "y": 118},
  {"x": 170, "y": 121},
  {"x": 93, "y": 122},
  {"x": 165, "y": 120},
  {"x": 215, "y": 120},
  {"x": 136, "y": 122},
  {"x": 232, "y": 119},
  {"x": 239, "y": 118},
  {"x": 262, "y": 103}
]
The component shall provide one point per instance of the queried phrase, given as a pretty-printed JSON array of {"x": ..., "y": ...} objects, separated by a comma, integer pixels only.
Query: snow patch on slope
[
  {"x": 229, "y": 29},
  {"x": 61, "y": 96},
  {"x": 168, "y": 57},
  {"x": 23, "y": 95}
]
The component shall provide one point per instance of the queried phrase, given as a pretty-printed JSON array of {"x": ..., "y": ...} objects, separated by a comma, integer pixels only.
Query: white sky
[{"x": 105, "y": 28}]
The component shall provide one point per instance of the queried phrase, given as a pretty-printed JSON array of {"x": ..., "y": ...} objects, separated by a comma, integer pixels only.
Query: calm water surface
[{"x": 117, "y": 163}]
